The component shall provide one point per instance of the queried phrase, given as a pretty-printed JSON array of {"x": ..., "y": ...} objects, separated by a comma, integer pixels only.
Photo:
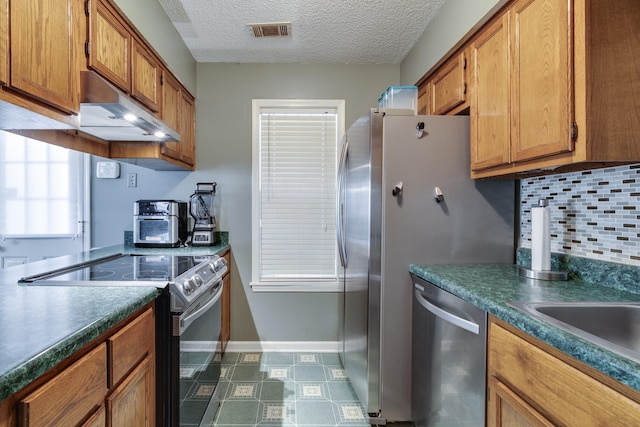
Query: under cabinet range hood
[{"x": 109, "y": 114}]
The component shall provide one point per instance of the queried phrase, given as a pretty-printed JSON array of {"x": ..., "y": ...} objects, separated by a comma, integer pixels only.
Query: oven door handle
[{"x": 191, "y": 317}]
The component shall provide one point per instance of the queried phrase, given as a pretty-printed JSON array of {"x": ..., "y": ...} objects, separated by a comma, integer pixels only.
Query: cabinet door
[
  {"x": 70, "y": 396},
  {"x": 130, "y": 345},
  {"x": 145, "y": 76},
  {"x": 226, "y": 307},
  {"x": 170, "y": 113},
  {"x": 187, "y": 128},
  {"x": 99, "y": 419},
  {"x": 109, "y": 45},
  {"x": 132, "y": 403},
  {"x": 4, "y": 42},
  {"x": 43, "y": 63},
  {"x": 448, "y": 87},
  {"x": 506, "y": 408},
  {"x": 423, "y": 99},
  {"x": 541, "y": 39},
  {"x": 490, "y": 131}
]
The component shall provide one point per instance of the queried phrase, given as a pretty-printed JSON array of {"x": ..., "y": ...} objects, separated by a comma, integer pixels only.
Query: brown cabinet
[
  {"x": 541, "y": 79},
  {"x": 43, "y": 63},
  {"x": 567, "y": 83},
  {"x": 423, "y": 99},
  {"x": 4, "y": 42},
  {"x": 120, "y": 56},
  {"x": 178, "y": 110},
  {"x": 69, "y": 396},
  {"x": 533, "y": 384},
  {"x": 447, "y": 88},
  {"x": 128, "y": 405},
  {"x": 490, "y": 97},
  {"x": 226, "y": 304},
  {"x": 109, "y": 50},
  {"x": 145, "y": 72},
  {"x": 110, "y": 382}
]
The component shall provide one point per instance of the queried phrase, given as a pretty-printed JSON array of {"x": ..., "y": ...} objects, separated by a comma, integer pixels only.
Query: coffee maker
[{"x": 200, "y": 208}]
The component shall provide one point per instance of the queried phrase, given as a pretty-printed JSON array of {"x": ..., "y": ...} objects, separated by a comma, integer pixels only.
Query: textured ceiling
[{"x": 323, "y": 31}]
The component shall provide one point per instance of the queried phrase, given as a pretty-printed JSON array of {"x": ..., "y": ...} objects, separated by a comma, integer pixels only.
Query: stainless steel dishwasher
[{"x": 448, "y": 359}]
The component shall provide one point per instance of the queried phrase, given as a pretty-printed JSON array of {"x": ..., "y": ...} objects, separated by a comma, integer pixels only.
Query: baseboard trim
[{"x": 284, "y": 346}]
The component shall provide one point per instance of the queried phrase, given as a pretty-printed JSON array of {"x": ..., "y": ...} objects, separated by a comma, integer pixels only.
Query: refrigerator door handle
[{"x": 342, "y": 171}]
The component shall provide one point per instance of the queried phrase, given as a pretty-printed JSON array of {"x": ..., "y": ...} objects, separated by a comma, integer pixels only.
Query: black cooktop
[{"x": 160, "y": 268}]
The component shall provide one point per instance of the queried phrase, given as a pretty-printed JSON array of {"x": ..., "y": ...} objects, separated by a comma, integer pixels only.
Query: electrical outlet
[{"x": 132, "y": 179}]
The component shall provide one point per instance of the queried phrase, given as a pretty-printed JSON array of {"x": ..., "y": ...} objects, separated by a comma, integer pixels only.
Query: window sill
[{"x": 297, "y": 287}]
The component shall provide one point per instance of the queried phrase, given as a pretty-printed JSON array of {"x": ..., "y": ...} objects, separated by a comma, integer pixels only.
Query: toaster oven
[{"x": 159, "y": 223}]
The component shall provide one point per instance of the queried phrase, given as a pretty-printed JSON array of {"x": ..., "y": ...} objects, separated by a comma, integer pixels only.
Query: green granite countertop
[
  {"x": 43, "y": 325},
  {"x": 490, "y": 287}
]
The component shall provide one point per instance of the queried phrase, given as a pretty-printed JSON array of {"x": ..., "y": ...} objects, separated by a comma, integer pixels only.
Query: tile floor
[{"x": 286, "y": 389}]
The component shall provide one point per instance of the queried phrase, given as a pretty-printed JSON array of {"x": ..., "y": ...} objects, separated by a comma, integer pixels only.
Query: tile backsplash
[{"x": 594, "y": 214}]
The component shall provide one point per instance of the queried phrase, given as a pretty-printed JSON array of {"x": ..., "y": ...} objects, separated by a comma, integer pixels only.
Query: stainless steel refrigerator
[{"x": 405, "y": 197}]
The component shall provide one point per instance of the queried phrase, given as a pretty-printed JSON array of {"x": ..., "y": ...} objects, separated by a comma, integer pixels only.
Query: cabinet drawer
[
  {"x": 557, "y": 390},
  {"x": 130, "y": 345},
  {"x": 67, "y": 398}
]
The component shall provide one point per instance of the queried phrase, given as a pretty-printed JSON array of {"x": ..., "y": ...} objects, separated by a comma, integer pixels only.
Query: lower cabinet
[
  {"x": 226, "y": 304},
  {"x": 533, "y": 384},
  {"x": 110, "y": 383}
]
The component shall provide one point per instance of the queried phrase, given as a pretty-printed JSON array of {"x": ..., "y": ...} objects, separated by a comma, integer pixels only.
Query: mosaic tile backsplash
[{"x": 594, "y": 214}]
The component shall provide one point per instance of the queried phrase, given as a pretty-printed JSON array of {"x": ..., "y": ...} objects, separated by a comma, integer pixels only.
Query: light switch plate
[{"x": 108, "y": 169}]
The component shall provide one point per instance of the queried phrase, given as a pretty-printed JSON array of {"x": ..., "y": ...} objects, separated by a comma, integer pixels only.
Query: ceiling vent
[{"x": 273, "y": 29}]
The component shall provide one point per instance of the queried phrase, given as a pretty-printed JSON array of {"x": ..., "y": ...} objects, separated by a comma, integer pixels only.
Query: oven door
[
  {"x": 196, "y": 357},
  {"x": 155, "y": 231}
]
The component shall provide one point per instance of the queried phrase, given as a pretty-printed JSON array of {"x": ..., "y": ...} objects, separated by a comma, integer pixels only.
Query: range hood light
[
  {"x": 130, "y": 117},
  {"x": 160, "y": 134}
]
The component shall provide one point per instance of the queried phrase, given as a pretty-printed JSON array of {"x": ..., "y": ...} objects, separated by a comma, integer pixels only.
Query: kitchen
[{"x": 224, "y": 92}]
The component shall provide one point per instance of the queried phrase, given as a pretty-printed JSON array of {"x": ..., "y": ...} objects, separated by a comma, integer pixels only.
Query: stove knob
[
  {"x": 188, "y": 287},
  {"x": 219, "y": 264},
  {"x": 197, "y": 280}
]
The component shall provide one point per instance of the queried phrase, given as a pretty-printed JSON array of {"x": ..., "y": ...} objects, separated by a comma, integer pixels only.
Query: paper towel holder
[{"x": 543, "y": 274}]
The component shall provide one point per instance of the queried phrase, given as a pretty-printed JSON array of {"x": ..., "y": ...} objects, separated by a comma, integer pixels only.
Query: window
[
  {"x": 42, "y": 188},
  {"x": 295, "y": 156}
]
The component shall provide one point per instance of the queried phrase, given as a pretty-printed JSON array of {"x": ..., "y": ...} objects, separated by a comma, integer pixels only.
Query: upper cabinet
[
  {"x": 109, "y": 45},
  {"x": 145, "y": 85},
  {"x": 551, "y": 87},
  {"x": 40, "y": 67},
  {"x": 490, "y": 97},
  {"x": 4, "y": 42},
  {"x": 447, "y": 89},
  {"x": 178, "y": 111},
  {"x": 115, "y": 52},
  {"x": 565, "y": 83}
]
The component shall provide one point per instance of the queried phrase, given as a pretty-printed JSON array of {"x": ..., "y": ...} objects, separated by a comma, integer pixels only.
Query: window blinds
[{"x": 297, "y": 200}]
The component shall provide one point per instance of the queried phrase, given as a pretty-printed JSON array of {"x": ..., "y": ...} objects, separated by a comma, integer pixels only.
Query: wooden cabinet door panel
[
  {"x": 70, "y": 396},
  {"x": 130, "y": 345},
  {"x": 226, "y": 306},
  {"x": 542, "y": 78},
  {"x": 187, "y": 128},
  {"x": 506, "y": 408},
  {"x": 110, "y": 45},
  {"x": 490, "y": 112},
  {"x": 131, "y": 404},
  {"x": 448, "y": 86},
  {"x": 43, "y": 63},
  {"x": 145, "y": 76},
  {"x": 4, "y": 42},
  {"x": 170, "y": 113},
  {"x": 99, "y": 419},
  {"x": 567, "y": 395}
]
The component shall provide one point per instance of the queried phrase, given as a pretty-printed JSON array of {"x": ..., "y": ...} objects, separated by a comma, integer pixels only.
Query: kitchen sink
[{"x": 614, "y": 326}]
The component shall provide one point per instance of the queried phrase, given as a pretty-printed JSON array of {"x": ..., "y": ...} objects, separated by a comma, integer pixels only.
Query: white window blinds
[{"x": 296, "y": 198}]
